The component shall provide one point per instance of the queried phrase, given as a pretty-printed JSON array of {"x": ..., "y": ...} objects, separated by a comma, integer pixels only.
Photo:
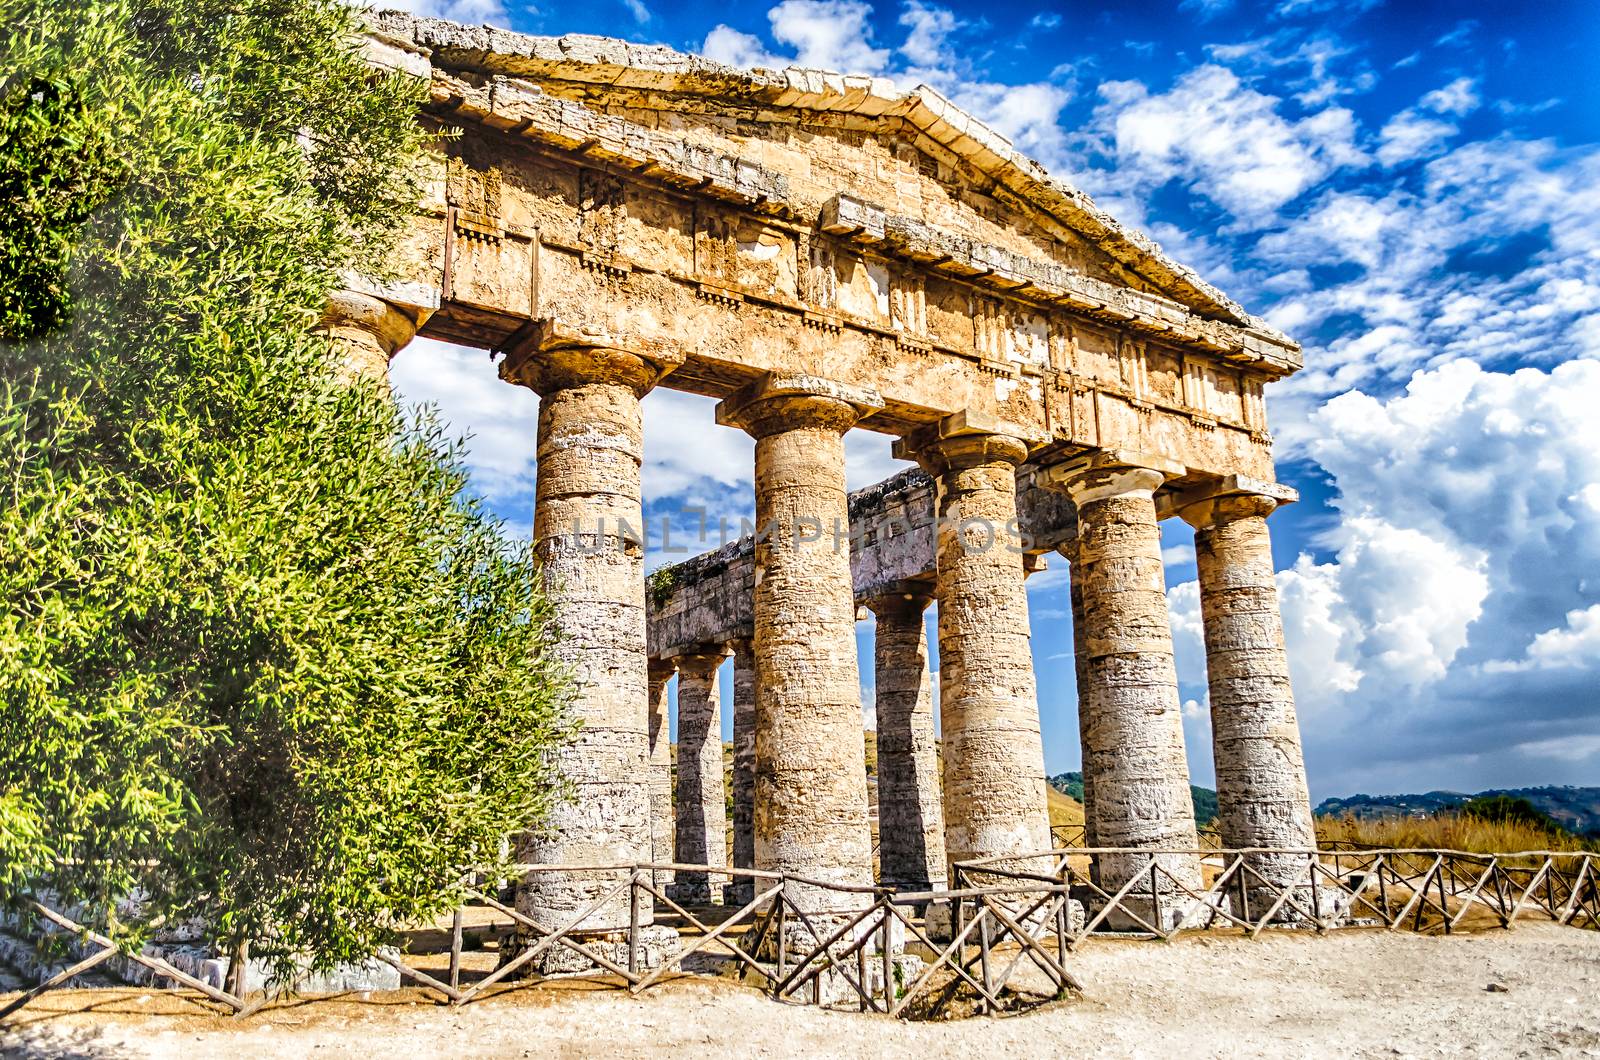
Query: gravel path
[{"x": 1354, "y": 993}]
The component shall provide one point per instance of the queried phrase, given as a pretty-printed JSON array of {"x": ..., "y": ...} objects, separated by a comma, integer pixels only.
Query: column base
[
  {"x": 1165, "y": 911},
  {"x": 694, "y": 892},
  {"x": 939, "y": 926},
  {"x": 1331, "y": 906},
  {"x": 658, "y": 944},
  {"x": 739, "y": 893}
]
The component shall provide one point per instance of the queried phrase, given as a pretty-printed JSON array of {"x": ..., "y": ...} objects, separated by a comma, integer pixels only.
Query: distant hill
[
  {"x": 1205, "y": 800},
  {"x": 1575, "y": 809}
]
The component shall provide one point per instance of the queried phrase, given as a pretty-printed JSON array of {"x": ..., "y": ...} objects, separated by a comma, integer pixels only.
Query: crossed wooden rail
[{"x": 983, "y": 940}]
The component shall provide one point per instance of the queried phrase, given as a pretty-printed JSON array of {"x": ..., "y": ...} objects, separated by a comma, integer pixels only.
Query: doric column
[
  {"x": 702, "y": 817},
  {"x": 742, "y": 890},
  {"x": 1080, "y": 668},
  {"x": 811, "y": 798},
  {"x": 995, "y": 802},
  {"x": 367, "y": 330},
  {"x": 660, "y": 734},
  {"x": 910, "y": 808},
  {"x": 587, "y": 536},
  {"x": 1262, "y": 797},
  {"x": 1133, "y": 727}
]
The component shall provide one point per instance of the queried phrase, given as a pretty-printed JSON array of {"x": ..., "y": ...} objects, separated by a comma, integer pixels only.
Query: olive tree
[{"x": 264, "y": 660}]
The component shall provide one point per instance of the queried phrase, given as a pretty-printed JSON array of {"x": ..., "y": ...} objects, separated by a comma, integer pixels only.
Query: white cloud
[
  {"x": 724, "y": 44},
  {"x": 825, "y": 34},
  {"x": 1459, "y": 97},
  {"x": 500, "y": 421},
  {"x": 829, "y": 35},
  {"x": 1409, "y": 136},
  {"x": 1576, "y": 644},
  {"x": 637, "y": 8},
  {"x": 1490, "y": 252},
  {"x": 686, "y": 452},
  {"x": 1453, "y": 637},
  {"x": 1223, "y": 140},
  {"x": 867, "y": 458},
  {"x": 929, "y": 27}
]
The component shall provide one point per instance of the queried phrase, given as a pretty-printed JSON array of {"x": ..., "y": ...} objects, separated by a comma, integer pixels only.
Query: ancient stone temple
[{"x": 825, "y": 254}]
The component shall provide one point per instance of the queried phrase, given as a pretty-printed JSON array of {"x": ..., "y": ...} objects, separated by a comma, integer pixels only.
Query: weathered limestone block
[
  {"x": 660, "y": 733},
  {"x": 911, "y": 853},
  {"x": 1080, "y": 666},
  {"x": 366, "y": 330},
  {"x": 1262, "y": 797},
  {"x": 994, "y": 780},
  {"x": 892, "y": 535},
  {"x": 702, "y": 813},
  {"x": 810, "y": 795},
  {"x": 587, "y": 536},
  {"x": 740, "y": 891},
  {"x": 1133, "y": 731}
]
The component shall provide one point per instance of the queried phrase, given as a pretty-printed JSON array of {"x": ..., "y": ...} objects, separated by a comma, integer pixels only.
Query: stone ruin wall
[{"x": 824, "y": 253}]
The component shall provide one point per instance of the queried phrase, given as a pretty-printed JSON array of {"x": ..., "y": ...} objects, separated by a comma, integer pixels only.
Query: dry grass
[
  {"x": 1445, "y": 831},
  {"x": 1064, "y": 809}
]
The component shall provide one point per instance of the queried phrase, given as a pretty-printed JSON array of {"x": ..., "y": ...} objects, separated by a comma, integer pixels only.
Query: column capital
[
  {"x": 899, "y": 601},
  {"x": 391, "y": 324},
  {"x": 776, "y": 403},
  {"x": 963, "y": 440},
  {"x": 1230, "y": 498},
  {"x": 700, "y": 663},
  {"x": 661, "y": 669},
  {"x": 366, "y": 330},
  {"x": 545, "y": 356},
  {"x": 1110, "y": 473}
]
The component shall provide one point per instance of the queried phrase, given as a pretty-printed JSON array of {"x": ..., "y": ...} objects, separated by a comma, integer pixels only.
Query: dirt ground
[{"x": 1354, "y": 993}]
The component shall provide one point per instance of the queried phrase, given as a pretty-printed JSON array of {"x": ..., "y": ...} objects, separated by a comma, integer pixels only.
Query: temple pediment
[{"x": 920, "y": 178}]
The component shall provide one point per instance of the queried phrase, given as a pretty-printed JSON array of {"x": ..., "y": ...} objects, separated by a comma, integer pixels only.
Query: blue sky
[{"x": 1412, "y": 190}]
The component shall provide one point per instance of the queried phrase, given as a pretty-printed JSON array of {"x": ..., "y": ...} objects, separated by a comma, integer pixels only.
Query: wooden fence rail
[{"x": 1000, "y": 937}]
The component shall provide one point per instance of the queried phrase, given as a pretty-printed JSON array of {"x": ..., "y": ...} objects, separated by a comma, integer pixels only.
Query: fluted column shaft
[
  {"x": 702, "y": 813},
  {"x": 744, "y": 766},
  {"x": 810, "y": 791},
  {"x": 910, "y": 805},
  {"x": 587, "y": 538},
  {"x": 1262, "y": 798},
  {"x": 1133, "y": 726},
  {"x": 660, "y": 735},
  {"x": 994, "y": 782},
  {"x": 1080, "y": 667}
]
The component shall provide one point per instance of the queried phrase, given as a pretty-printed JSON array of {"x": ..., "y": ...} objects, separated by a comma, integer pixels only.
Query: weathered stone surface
[
  {"x": 367, "y": 330},
  {"x": 1080, "y": 665},
  {"x": 810, "y": 795},
  {"x": 587, "y": 532},
  {"x": 702, "y": 813},
  {"x": 994, "y": 782},
  {"x": 825, "y": 252},
  {"x": 1133, "y": 735},
  {"x": 911, "y": 851},
  {"x": 558, "y": 89},
  {"x": 707, "y": 599},
  {"x": 662, "y": 823},
  {"x": 1262, "y": 798},
  {"x": 744, "y": 768}
]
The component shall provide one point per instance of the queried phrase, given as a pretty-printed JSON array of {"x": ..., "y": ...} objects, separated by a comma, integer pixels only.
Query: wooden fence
[
  {"x": 1077, "y": 835},
  {"x": 1001, "y": 937}
]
